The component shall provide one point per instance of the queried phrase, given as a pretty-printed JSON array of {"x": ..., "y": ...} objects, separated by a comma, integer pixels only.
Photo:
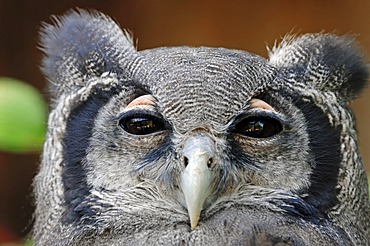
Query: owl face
[
  {"x": 188, "y": 113},
  {"x": 184, "y": 134}
]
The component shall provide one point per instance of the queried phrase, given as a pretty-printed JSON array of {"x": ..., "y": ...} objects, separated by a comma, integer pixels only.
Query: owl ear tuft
[
  {"x": 325, "y": 61},
  {"x": 80, "y": 45}
]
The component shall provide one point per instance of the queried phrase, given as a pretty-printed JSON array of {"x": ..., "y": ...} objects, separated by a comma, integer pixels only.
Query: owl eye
[
  {"x": 142, "y": 124},
  {"x": 258, "y": 127}
]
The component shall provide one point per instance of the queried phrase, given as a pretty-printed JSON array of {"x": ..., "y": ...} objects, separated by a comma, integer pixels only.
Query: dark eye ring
[
  {"x": 258, "y": 127},
  {"x": 141, "y": 124}
]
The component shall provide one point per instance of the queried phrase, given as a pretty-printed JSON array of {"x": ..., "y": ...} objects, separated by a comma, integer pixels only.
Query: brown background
[{"x": 247, "y": 25}]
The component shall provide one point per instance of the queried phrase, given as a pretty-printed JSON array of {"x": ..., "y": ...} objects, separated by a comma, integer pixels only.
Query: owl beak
[{"x": 197, "y": 176}]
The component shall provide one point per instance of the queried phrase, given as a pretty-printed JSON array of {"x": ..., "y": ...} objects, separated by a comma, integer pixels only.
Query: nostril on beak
[
  {"x": 209, "y": 162},
  {"x": 186, "y": 161}
]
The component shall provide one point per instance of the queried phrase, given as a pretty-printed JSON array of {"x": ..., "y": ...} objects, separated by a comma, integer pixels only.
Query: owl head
[{"x": 183, "y": 137}]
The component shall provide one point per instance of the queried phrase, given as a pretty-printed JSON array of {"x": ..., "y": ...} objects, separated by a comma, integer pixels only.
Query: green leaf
[
  {"x": 22, "y": 117},
  {"x": 28, "y": 242}
]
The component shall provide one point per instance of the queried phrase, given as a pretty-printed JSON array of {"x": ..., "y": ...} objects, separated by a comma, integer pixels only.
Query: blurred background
[{"x": 246, "y": 25}]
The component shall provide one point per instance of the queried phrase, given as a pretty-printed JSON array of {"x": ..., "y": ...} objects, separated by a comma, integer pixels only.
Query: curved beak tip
[{"x": 194, "y": 222}]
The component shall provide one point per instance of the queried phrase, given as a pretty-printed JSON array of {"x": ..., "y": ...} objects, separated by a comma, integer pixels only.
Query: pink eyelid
[
  {"x": 258, "y": 103},
  {"x": 142, "y": 100}
]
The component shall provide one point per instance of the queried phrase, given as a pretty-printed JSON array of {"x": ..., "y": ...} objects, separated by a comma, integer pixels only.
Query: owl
[{"x": 199, "y": 145}]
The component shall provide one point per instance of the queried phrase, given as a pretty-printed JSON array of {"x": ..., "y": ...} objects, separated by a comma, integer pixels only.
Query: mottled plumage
[{"x": 199, "y": 146}]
